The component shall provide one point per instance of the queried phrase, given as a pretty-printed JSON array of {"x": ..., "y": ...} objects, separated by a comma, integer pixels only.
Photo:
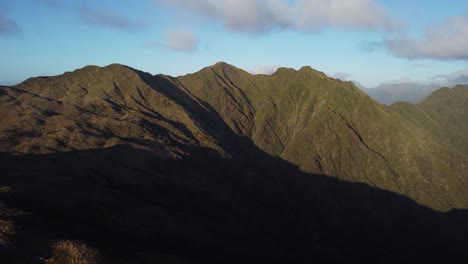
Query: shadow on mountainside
[
  {"x": 208, "y": 119},
  {"x": 129, "y": 205},
  {"x": 133, "y": 206}
]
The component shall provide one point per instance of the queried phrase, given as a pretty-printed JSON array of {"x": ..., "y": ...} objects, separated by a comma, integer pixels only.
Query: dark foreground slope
[
  {"x": 128, "y": 205},
  {"x": 112, "y": 165}
]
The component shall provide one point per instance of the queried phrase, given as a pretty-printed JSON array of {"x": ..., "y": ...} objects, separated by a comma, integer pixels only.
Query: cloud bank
[
  {"x": 259, "y": 16},
  {"x": 264, "y": 69},
  {"x": 50, "y": 3},
  {"x": 459, "y": 77},
  {"x": 447, "y": 41},
  {"x": 341, "y": 75},
  {"x": 180, "y": 40},
  {"x": 109, "y": 19},
  {"x": 7, "y": 26}
]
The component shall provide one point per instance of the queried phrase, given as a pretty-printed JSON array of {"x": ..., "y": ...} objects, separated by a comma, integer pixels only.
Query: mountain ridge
[
  {"x": 221, "y": 166},
  {"x": 306, "y": 104},
  {"x": 323, "y": 125},
  {"x": 443, "y": 113}
]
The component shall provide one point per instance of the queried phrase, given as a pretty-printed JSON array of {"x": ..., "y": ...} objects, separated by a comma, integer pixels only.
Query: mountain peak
[
  {"x": 310, "y": 71},
  {"x": 112, "y": 66},
  {"x": 460, "y": 86},
  {"x": 226, "y": 67},
  {"x": 306, "y": 68},
  {"x": 222, "y": 64},
  {"x": 115, "y": 66},
  {"x": 284, "y": 70},
  {"x": 135, "y": 155},
  {"x": 110, "y": 71}
]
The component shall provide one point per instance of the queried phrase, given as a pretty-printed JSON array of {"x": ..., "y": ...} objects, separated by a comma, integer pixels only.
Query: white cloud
[
  {"x": 109, "y": 18},
  {"x": 421, "y": 65},
  {"x": 7, "y": 26},
  {"x": 341, "y": 75},
  {"x": 459, "y": 77},
  {"x": 50, "y": 3},
  {"x": 265, "y": 69},
  {"x": 181, "y": 40},
  {"x": 258, "y": 16},
  {"x": 447, "y": 41}
]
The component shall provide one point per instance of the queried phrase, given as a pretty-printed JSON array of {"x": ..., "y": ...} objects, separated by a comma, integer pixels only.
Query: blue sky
[{"x": 368, "y": 41}]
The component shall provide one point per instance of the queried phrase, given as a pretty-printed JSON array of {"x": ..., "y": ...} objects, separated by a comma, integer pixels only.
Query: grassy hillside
[
  {"x": 444, "y": 114},
  {"x": 330, "y": 127},
  {"x": 92, "y": 108},
  {"x": 114, "y": 165}
]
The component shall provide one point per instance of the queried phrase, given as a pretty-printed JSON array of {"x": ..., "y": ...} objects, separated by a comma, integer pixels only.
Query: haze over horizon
[{"x": 367, "y": 41}]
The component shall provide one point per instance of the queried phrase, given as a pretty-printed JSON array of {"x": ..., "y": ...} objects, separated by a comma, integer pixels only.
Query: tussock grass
[{"x": 73, "y": 252}]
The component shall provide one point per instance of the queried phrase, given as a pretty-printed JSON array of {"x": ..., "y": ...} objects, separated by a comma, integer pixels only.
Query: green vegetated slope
[
  {"x": 444, "y": 114},
  {"x": 114, "y": 165},
  {"x": 95, "y": 107},
  {"x": 328, "y": 126},
  {"x": 93, "y": 155}
]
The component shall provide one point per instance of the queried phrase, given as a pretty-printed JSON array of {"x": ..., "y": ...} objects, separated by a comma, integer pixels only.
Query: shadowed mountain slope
[
  {"x": 131, "y": 206},
  {"x": 444, "y": 114},
  {"x": 114, "y": 165},
  {"x": 330, "y": 127}
]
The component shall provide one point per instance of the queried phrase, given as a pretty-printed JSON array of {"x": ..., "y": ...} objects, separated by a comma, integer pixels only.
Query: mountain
[
  {"x": 390, "y": 93},
  {"x": 87, "y": 109},
  {"x": 444, "y": 114},
  {"x": 330, "y": 127},
  {"x": 114, "y": 165}
]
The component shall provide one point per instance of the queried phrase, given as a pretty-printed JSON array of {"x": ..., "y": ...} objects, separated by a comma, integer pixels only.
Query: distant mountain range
[
  {"x": 408, "y": 92},
  {"x": 115, "y": 165}
]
